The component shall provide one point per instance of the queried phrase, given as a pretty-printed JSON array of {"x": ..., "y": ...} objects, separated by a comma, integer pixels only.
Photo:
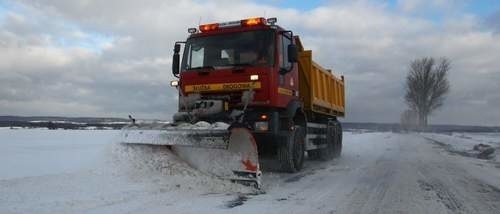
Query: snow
[
  {"x": 216, "y": 158},
  {"x": 84, "y": 171},
  {"x": 57, "y": 121},
  {"x": 204, "y": 126},
  {"x": 39, "y": 152},
  {"x": 80, "y": 169},
  {"x": 144, "y": 160},
  {"x": 463, "y": 143}
]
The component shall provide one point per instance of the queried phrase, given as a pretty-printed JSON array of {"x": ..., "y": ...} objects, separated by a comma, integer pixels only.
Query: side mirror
[
  {"x": 177, "y": 48},
  {"x": 284, "y": 71},
  {"x": 292, "y": 53},
  {"x": 176, "y": 59}
]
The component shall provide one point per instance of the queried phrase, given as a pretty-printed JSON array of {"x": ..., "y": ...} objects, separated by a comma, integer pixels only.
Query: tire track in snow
[
  {"x": 445, "y": 196},
  {"x": 458, "y": 190},
  {"x": 372, "y": 188}
]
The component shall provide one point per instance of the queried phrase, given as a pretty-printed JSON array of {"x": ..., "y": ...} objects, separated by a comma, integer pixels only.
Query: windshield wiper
[
  {"x": 202, "y": 67},
  {"x": 211, "y": 67},
  {"x": 240, "y": 64}
]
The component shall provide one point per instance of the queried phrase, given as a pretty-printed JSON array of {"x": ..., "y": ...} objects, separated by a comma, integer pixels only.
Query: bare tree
[
  {"x": 426, "y": 86},
  {"x": 408, "y": 120}
]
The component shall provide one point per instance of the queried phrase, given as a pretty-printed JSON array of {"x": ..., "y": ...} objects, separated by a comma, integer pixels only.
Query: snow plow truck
[{"x": 248, "y": 90}]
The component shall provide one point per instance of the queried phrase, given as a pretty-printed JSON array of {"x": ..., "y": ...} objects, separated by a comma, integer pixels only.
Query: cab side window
[{"x": 286, "y": 39}]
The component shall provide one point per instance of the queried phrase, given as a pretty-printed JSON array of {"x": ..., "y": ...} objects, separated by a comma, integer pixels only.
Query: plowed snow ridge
[{"x": 159, "y": 162}]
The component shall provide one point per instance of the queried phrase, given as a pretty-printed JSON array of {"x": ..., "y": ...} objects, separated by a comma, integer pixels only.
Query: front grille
[{"x": 232, "y": 98}]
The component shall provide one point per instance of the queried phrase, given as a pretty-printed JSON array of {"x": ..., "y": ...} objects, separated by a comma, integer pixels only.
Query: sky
[{"x": 113, "y": 58}]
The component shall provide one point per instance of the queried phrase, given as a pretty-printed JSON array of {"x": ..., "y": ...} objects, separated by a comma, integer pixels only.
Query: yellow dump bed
[{"x": 321, "y": 91}]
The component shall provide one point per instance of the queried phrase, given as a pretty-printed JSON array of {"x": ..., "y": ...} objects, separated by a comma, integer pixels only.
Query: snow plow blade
[{"x": 226, "y": 153}]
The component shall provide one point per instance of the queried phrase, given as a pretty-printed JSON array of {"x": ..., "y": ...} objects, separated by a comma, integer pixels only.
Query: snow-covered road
[{"x": 46, "y": 171}]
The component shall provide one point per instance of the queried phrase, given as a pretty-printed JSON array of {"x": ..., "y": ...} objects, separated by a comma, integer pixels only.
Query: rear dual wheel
[
  {"x": 338, "y": 140},
  {"x": 333, "y": 147},
  {"x": 291, "y": 152}
]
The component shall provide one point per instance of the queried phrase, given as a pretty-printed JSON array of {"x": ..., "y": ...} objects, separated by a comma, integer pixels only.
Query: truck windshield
[{"x": 253, "y": 48}]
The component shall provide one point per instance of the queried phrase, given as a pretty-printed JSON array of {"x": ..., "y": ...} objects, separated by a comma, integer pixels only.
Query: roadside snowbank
[{"x": 477, "y": 145}]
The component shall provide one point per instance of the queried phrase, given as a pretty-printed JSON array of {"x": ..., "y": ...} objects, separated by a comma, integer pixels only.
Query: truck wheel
[
  {"x": 338, "y": 139},
  {"x": 332, "y": 146},
  {"x": 314, "y": 154},
  {"x": 291, "y": 152}
]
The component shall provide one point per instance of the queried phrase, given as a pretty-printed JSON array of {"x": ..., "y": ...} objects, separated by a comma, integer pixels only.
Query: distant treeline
[
  {"x": 118, "y": 123},
  {"x": 66, "y": 119},
  {"x": 52, "y": 125},
  {"x": 62, "y": 122},
  {"x": 395, "y": 127}
]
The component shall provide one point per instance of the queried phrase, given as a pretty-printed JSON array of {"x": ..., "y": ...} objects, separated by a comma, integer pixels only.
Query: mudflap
[{"x": 239, "y": 162}]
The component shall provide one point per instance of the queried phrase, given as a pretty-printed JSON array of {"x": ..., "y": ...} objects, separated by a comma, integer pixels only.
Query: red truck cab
[{"x": 224, "y": 59}]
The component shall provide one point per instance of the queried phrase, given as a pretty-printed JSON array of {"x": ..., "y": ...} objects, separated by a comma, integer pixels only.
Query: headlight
[
  {"x": 261, "y": 126},
  {"x": 174, "y": 83},
  {"x": 254, "y": 77}
]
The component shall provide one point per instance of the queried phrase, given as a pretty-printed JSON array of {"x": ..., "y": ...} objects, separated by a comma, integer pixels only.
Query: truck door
[{"x": 287, "y": 85}]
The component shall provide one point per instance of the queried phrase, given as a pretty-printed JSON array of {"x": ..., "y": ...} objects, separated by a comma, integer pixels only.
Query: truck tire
[
  {"x": 333, "y": 144},
  {"x": 291, "y": 153},
  {"x": 314, "y": 154},
  {"x": 338, "y": 139},
  {"x": 328, "y": 152}
]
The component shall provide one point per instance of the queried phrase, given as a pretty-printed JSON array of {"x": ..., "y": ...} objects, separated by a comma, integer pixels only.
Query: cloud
[
  {"x": 446, "y": 6},
  {"x": 112, "y": 58},
  {"x": 493, "y": 21}
]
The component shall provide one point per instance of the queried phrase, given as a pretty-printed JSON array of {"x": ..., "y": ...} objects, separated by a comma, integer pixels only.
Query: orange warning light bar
[
  {"x": 253, "y": 21},
  {"x": 209, "y": 27},
  {"x": 244, "y": 23}
]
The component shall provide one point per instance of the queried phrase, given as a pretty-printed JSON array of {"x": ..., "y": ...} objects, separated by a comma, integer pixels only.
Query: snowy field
[{"x": 83, "y": 171}]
